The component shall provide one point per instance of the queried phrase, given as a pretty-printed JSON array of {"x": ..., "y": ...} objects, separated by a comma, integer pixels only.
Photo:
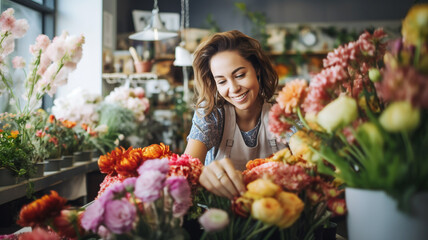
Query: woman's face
[{"x": 236, "y": 79}]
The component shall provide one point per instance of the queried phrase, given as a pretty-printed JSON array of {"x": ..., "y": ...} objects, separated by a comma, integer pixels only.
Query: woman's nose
[{"x": 234, "y": 86}]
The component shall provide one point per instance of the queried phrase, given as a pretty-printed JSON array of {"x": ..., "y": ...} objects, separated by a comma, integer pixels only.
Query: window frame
[{"x": 48, "y": 12}]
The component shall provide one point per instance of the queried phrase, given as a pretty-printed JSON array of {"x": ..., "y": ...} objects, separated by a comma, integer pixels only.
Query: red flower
[
  {"x": 337, "y": 206},
  {"x": 65, "y": 223},
  {"x": 39, "y": 234},
  {"x": 41, "y": 210}
]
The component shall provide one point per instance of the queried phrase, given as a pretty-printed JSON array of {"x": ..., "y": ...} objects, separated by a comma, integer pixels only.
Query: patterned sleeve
[{"x": 207, "y": 129}]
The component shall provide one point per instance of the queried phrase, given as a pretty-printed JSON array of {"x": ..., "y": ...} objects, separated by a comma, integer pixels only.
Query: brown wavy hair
[{"x": 249, "y": 48}]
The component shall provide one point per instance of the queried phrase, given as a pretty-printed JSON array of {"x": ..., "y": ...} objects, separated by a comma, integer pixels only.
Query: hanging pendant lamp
[{"x": 155, "y": 30}]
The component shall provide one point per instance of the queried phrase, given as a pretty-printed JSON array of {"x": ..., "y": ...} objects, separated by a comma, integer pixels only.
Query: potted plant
[{"x": 15, "y": 159}]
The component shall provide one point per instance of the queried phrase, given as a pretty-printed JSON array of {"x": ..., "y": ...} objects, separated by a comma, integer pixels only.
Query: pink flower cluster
[
  {"x": 346, "y": 67},
  {"x": 118, "y": 209},
  {"x": 57, "y": 59},
  {"x": 133, "y": 99},
  {"x": 186, "y": 166},
  {"x": 10, "y": 30}
]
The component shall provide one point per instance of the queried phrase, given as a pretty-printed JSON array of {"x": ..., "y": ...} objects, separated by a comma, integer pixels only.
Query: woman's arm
[{"x": 196, "y": 149}]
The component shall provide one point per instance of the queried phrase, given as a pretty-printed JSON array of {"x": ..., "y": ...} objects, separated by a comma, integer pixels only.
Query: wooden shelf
[{"x": 13, "y": 192}]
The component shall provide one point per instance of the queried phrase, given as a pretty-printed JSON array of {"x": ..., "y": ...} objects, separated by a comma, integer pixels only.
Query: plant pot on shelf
[
  {"x": 96, "y": 153},
  {"x": 67, "y": 161},
  {"x": 372, "y": 214},
  {"x": 39, "y": 169},
  {"x": 7, "y": 178},
  {"x": 83, "y": 156},
  {"x": 53, "y": 164}
]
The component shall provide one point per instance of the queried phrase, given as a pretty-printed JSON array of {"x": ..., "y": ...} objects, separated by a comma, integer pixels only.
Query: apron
[{"x": 233, "y": 145}]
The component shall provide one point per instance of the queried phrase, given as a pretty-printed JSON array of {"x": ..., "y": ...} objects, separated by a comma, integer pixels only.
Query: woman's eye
[
  {"x": 221, "y": 82},
  {"x": 240, "y": 75}
]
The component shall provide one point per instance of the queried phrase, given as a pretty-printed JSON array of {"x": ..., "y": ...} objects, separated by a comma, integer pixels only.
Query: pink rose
[{"x": 119, "y": 215}]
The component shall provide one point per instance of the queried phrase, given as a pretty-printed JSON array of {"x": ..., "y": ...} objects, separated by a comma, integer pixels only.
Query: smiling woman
[{"x": 234, "y": 82}]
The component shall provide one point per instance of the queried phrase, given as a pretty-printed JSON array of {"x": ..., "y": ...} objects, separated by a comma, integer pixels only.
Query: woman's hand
[{"x": 221, "y": 178}]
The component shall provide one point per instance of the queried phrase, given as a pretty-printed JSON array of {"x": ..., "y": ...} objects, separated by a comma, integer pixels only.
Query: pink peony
[
  {"x": 93, "y": 216},
  {"x": 160, "y": 165},
  {"x": 276, "y": 125},
  {"x": 180, "y": 209},
  {"x": 119, "y": 215},
  {"x": 149, "y": 185},
  {"x": 179, "y": 189}
]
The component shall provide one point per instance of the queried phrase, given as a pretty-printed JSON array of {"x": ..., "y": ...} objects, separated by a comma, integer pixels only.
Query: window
[{"x": 40, "y": 15}]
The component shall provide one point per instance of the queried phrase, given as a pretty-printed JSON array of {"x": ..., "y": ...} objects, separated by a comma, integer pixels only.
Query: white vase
[{"x": 373, "y": 215}]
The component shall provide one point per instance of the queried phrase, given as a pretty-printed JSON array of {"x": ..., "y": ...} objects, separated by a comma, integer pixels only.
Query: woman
[{"x": 234, "y": 82}]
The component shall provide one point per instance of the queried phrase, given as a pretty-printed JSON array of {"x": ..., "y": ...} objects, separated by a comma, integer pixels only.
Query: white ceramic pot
[{"x": 373, "y": 215}]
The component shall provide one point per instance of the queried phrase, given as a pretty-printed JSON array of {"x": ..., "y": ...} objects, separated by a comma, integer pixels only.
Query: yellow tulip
[
  {"x": 415, "y": 25},
  {"x": 262, "y": 188}
]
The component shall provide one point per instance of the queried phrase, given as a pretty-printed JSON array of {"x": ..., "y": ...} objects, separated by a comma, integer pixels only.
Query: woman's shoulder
[{"x": 215, "y": 117}]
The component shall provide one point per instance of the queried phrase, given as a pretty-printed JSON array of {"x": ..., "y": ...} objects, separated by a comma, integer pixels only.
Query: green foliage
[
  {"x": 15, "y": 155},
  {"x": 117, "y": 118}
]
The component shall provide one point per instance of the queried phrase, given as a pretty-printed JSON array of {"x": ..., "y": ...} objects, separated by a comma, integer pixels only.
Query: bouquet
[
  {"x": 144, "y": 195},
  {"x": 285, "y": 199},
  {"x": 363, "y": 118}
]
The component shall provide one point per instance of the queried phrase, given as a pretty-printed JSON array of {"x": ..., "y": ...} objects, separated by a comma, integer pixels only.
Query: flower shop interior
[{"x": 91, "y": 90}]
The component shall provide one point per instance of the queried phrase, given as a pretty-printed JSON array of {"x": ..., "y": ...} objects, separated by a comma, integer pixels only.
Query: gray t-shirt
[{"x": 209, "y": 130}]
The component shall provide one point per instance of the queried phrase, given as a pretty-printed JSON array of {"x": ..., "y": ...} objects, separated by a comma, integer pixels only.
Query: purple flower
[
  {"x": 161, "y": 165},
  {"x": 214, "y": 220},
  {"x": 179, "y": 188},
  {"x": 119, "y": 215},
  {"x": 104, "y": 232},
  {"x": 93, "y": 216},
  {"x": 148, "y": 185}
]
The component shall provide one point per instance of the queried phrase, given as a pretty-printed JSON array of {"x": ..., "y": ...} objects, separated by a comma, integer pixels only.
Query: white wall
[{"x": 83, "y": 17}]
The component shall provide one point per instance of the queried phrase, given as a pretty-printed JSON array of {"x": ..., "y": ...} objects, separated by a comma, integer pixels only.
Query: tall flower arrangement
[{"x": 363, "y": 118}]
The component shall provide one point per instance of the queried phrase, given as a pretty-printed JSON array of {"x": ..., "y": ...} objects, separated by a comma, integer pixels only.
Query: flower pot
[
  {"x": 53, "y": 164},
  {"x": 7, "y": 178},
  {"x": 372, "y": 214},
  {"x": 39, "y": 169},
  {"x": 96, "y": 153},
  {"x": 67, "y": 161},
  {"x": 83, "y": 156}
]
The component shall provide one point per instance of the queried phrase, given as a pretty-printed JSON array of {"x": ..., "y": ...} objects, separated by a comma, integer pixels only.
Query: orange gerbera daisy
[
  {"x": 131, "y": 159},
  {"x": 38, "y": 212},
  {"x": 291, "y": 95},
  {"x": 156, "y": 151}
]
